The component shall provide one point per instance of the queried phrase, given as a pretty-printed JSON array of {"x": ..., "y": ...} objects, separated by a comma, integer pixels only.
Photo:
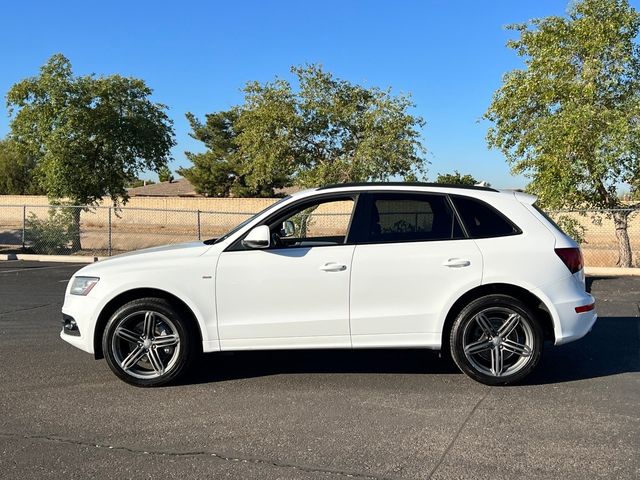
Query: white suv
[{"x": 480, "y": 273}]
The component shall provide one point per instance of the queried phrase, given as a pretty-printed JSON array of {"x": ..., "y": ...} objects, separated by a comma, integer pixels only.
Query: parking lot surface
[{"x": 314, "y": 414}]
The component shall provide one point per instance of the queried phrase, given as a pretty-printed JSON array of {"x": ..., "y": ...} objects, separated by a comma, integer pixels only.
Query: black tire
[
  {"x": 496, "y": 340},
  {"x": 153, "y": 359}
]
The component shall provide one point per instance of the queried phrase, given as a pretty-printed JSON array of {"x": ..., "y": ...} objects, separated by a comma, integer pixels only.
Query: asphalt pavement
[{"x": 315, "y": 414}]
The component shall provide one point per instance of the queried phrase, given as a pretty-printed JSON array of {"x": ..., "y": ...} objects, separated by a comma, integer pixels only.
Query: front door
[{"x": 295, "y": 293}]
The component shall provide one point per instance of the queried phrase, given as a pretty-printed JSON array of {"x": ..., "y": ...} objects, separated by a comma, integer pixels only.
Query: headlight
[{"x": 83, "y": 285}]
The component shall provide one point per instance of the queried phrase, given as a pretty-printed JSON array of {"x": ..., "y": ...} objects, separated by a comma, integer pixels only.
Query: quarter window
[
  {"x": 482, "y": 220},
  {"x": 408, "y": 217}
]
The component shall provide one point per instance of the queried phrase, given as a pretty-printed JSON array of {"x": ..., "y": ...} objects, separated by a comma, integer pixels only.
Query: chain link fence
[
  {"x": 106, "y": 231},
  {"x": 596, "y": 232}
]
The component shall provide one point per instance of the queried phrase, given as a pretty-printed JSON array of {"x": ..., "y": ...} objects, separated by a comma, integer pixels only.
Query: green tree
[
  {"x": 634, "y": 193},
  {"x": 456, "y": 178},
  {"x": 88, "y": 135},
  {"x": 165, "y": 175},
  {"x": 17, "y": 171},
  {"x": 326, "y": 130},
  {"x": 569, "y": 119},
  {"x": 221, "y": 171}
]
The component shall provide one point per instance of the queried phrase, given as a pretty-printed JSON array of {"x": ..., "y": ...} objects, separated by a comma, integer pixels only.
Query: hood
[
  {"x": 182, "y": 247},
  {"x": 150, "y": 256}
]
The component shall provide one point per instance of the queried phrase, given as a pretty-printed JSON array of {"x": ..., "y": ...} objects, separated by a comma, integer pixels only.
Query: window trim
[
  {"x": 237, "y": 245},
  {"x": 516, "y": 229},
  {"x": 368, "y": 199}
]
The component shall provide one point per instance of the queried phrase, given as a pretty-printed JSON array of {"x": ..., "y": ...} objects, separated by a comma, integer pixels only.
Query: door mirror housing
[
  {"x": 259, "y": 237},
  {"x": 288, "y": 229}
]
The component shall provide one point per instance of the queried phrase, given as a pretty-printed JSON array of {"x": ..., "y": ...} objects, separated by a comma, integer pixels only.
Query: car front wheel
[
  {"x": 496, "y": 340},
  {"x": 146, "y": 343}
]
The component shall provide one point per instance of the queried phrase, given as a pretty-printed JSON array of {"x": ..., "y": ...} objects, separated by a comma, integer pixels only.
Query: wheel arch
[
  {"x": 124, "y": 297},
  {"x": 543, "y": 315}
]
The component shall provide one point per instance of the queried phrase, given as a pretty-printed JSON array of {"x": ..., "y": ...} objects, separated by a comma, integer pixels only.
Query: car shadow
[
  {"x": 214, "y": 367},
  {"x": 610, "y": 349},
  {"x": 589, "y": 281}
]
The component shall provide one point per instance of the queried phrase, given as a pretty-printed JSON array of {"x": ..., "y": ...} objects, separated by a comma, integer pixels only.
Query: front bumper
[
  {"x": 70, "y": 326},
  {"x": 83, "y": 310}
]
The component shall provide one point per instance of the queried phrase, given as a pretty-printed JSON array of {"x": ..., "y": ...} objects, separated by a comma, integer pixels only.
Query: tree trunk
[
  {"x": 75, "y": 234},
  {"x": 624, "y": 246}
]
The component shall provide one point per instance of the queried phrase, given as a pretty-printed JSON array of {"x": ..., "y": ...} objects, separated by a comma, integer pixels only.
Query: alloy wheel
[
  {"x": 498, "y": 341},
  {"x": 146, "y": 344}
]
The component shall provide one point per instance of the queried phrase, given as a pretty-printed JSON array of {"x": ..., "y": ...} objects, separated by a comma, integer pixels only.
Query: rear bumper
[
  {"x": 575, "y": 325},
  {"x": 562, "y": 299}
]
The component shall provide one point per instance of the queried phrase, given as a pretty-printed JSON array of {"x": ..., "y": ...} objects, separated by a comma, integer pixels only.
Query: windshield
[{"x": 246, "y": 222}]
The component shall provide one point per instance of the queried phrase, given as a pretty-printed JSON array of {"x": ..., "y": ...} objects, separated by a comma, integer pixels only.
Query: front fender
[{"x": 200, "y": 299}]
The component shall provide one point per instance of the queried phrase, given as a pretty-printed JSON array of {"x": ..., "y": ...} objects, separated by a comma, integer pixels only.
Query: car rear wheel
[
  {"x": 147, "y": 343},
  {"x": 496, "y": 340}
]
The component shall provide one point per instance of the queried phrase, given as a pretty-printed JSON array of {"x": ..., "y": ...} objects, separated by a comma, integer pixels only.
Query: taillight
[
  {"x": 585, "y": 308},
  {"x": 571, "y": 257}
]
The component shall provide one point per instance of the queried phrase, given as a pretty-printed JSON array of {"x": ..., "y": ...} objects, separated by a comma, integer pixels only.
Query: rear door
[{"x": 412, "y": 257}]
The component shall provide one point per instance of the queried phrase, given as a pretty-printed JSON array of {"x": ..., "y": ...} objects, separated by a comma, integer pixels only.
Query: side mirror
[
  {"x": 259, "y": 237},
  {"x": 288, "y": 229}
]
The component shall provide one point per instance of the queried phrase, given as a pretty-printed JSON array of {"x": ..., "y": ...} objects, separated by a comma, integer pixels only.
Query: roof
[
  {"x": 175, "y": 188},
  {"x": 407, "y": 184}
]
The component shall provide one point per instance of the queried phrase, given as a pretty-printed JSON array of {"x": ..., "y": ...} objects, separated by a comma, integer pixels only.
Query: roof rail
[{"x": 407, "y": 184}]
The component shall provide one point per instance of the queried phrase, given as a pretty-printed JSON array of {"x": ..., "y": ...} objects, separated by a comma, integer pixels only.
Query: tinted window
[
  {"x": 409, "y": 217},
  {"x": 482, "y": 220}
]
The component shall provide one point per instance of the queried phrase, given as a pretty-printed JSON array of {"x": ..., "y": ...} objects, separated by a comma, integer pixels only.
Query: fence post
[
  {"x": 110, "y": 244},
  {"x": 24, "y": 225},
  {"x": 199, "y": 232}
]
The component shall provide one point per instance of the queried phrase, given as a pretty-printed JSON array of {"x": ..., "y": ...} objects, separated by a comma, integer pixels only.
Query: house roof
[
  {"x": 183, "y": 188},
  {"x": 176, "y": 188}
]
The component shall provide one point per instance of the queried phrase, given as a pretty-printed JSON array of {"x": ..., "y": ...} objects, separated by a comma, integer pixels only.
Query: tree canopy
[
  {"x": 17, "y": 171},
  {"x": 456, "y": 178},
  {"x": 88, "y": 135},
  {"x": 568, "y": 120},
  {"x": 222, "y": 170},
  {"x": 164, "y": 174},
  {"x": 326, "y": 130}
]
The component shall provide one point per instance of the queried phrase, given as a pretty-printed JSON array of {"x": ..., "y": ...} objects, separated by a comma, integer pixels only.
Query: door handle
[
  {"x": 457, "y": 263},
  {"x": 333, "y": 267}
]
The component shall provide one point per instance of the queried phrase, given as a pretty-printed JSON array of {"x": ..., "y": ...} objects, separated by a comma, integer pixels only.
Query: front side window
[
  {"x": 482, "y": 220},
  {"x": 399, "y": 217},
  {"x": 246, "y": 222},
  {"x": 321, "y": 223}
]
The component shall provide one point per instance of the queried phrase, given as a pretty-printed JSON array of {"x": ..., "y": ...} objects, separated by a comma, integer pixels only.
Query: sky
[{"x": 196, "y": 56}]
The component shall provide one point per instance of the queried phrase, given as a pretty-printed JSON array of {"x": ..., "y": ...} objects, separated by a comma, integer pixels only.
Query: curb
[
  {"x": 611, "y": 271},
  {"x": 50, "y": 258}
]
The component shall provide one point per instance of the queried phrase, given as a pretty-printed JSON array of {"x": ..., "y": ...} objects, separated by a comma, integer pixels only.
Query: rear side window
[
  {"x": 398, "y": 217},
  {"x": 482, "y": 220}
]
